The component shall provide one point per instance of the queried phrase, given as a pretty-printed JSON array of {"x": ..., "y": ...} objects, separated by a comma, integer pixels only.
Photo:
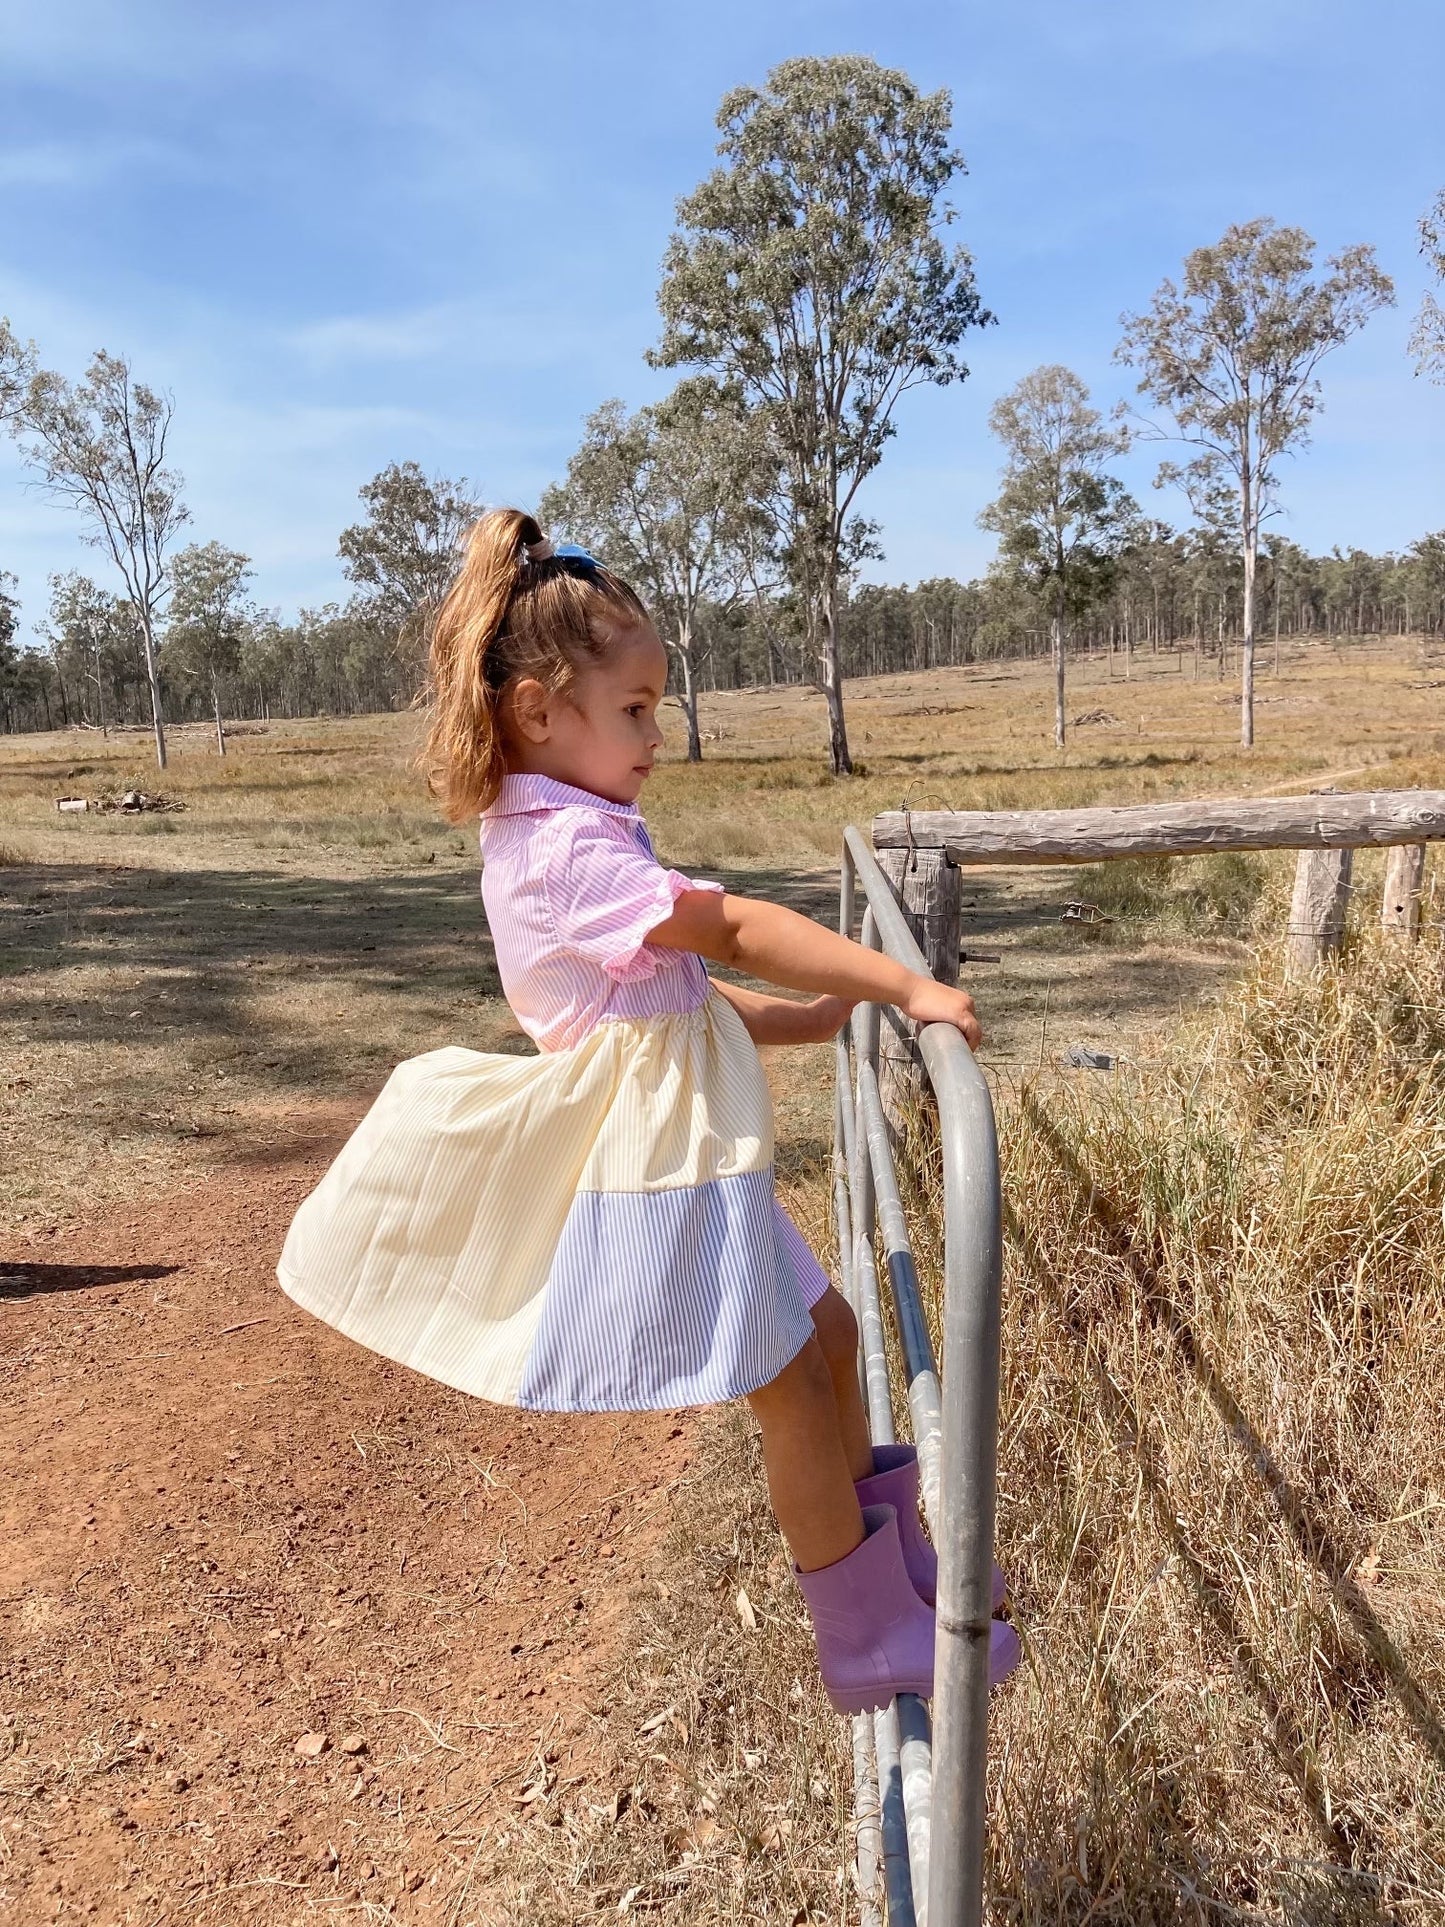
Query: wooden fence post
[
  {"x": 1317, "y": 909},
  {"x": 1404, "y": 880},
  {"x": 929, "y": 887}
]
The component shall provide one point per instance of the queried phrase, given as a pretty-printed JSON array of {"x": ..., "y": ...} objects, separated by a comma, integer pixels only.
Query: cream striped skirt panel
[{"x": 589, "y": 1230}]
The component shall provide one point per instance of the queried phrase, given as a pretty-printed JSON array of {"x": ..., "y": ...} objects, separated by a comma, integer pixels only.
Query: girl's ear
[{"x": 529, "y": 705}]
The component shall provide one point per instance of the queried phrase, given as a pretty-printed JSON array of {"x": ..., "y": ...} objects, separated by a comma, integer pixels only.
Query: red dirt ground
[{"x": 225, "y": 1527}]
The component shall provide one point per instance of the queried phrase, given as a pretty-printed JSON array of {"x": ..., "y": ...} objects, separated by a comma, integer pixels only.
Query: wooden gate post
[
  {"x": 1317, "y": 909},
  {"x": 1404, "y": 880},
  {"x": 929, "y": 886}
]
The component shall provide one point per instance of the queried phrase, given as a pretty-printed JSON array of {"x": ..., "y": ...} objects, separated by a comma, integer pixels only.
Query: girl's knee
[
  {"x": 837, "y": 1331},
  {"x": 804, "y": 1380}
]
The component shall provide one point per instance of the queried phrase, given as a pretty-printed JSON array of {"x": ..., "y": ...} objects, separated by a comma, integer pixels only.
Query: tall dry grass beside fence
[{"x": 1222, "y": 1467}]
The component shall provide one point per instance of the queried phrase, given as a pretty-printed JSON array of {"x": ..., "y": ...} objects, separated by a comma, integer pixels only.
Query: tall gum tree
[
  {"x": 1233, "y": 357},
  {"x": 92, "y": 640},
  {"x": 1427, "y": 338},
  {"x": 403, "y": 556},
  {"x": 100, "y": 445},
  {"x": 1061, "y": 518},
  {"x": 809, "y": 270},
  {"x": 208, "y": 620},
  {"x": 668, "y": 497},
  {"x": 17, "y": 366}
]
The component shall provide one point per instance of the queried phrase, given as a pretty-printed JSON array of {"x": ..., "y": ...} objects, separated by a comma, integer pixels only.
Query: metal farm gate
[{"x": 919, "y": 1789}]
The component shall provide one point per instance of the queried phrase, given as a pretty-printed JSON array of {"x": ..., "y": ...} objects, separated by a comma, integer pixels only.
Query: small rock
[
  {"x": 312, "y": 1745},
  {"x": 604, "y": 1552},
  {"x": 354, "y": 1743},
  {"x": 177, "y": 1783}
]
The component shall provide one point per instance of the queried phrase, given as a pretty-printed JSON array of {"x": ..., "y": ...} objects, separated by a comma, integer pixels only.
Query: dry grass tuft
[{"x": 1222, "y": 1476}]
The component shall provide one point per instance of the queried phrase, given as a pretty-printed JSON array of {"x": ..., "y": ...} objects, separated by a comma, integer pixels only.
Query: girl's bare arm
[
  {"x": 782, "y": 948},
  {"x": 779, "y": 1020}
]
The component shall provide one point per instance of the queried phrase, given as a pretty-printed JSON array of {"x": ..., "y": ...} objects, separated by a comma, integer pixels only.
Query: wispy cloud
[
  {"x": 81, "y": 164},
  {"x": 496, "y": 335}
]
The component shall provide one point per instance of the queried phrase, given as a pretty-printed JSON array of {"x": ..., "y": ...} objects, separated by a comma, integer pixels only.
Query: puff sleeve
[{"x": 608, "y": 892}]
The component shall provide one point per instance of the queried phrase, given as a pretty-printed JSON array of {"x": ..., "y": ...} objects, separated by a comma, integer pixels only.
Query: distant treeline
[
  {"x": 1170, "y": 591},
  {"x": 1174, "y": 591}
]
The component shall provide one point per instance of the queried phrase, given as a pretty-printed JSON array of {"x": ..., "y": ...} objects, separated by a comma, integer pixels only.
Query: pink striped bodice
[{"x": 571, "y": 889}]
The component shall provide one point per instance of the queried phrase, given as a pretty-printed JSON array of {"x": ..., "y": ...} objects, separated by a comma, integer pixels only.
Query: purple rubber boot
[
  {"x": 874, "y": 1634},
  {"x": 895, "y": 1482}
]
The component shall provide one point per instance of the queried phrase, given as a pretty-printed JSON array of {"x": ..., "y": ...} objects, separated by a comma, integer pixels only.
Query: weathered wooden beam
[
  {"x": 1317, "y": 909},
  {"x": 1404, "y": 881},
  {"x": 1348, "y": 821}
]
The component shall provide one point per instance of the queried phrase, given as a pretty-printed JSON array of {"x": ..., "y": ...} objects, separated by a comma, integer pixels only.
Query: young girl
[{"x": 594, "y": 1228}]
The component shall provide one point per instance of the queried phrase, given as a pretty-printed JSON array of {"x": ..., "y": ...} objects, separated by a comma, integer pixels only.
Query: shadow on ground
[
  {"x": 303, "y": 988},
  {"x": 37, "y": 1281}
]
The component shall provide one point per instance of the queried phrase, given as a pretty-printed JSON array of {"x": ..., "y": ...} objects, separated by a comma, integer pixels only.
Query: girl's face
[{"x": 602, "y": 735}]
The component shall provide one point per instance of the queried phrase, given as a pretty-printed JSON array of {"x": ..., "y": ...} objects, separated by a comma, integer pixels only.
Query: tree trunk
[
  {"x": 689, "y": 696},
  {"x": 1246, "y": 644},
  {"x": 153, "y": 680},
  {"x": 1128, "y": 642},
  {"x": 216, "y": 708},
  {"x": 841, "y": 761},
  {"x": 1056, "y": 642}
]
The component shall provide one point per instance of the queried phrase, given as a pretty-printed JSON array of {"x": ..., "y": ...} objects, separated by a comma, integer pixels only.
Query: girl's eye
[{"x": 636, "y": 709}]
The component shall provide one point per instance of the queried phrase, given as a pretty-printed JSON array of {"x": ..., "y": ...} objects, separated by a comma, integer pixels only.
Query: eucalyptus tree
[
  {"x": 92, "y": 639},
  {"x": 1233, "y": 357},
  {"x": 403, "y": 556},
  {"x": 1060, "y": 516},
  {"x": 809, "y": 269},
  {"x": 9, "y": 654},
  {"x": 268, "y": 664},
  {"x": 1289, "y": 570},
  {"x": 100, "y": 445},
  {"x": 17, "y": 367},
  {"x": 1424, "y": 573},
  {"x": 208, "y": 620},
  {"x": 669, "y": 497},
  {"x": 1427, "y": 340}
]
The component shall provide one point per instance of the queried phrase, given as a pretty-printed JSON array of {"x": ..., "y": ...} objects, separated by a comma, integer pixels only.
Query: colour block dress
[{"x": 593, "y": 1228}]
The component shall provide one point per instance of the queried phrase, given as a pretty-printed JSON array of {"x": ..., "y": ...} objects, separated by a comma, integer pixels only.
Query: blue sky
[{"x": 343, "y": 235}]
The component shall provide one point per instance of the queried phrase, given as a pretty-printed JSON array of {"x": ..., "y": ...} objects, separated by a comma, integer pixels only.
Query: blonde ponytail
[{"x": 515, "y": 609}]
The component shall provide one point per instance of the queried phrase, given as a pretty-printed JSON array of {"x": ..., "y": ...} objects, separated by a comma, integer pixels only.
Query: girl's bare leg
[
  {"x": 810, "y": 1480},
  {"x": 837, "y": 1331}
]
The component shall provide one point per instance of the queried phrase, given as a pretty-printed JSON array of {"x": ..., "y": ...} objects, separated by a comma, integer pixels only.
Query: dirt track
[{"x": 225, "y": 1528}]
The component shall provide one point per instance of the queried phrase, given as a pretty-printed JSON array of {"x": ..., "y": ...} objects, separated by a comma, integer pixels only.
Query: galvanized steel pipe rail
[{"x": 905, "y": 1775}]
